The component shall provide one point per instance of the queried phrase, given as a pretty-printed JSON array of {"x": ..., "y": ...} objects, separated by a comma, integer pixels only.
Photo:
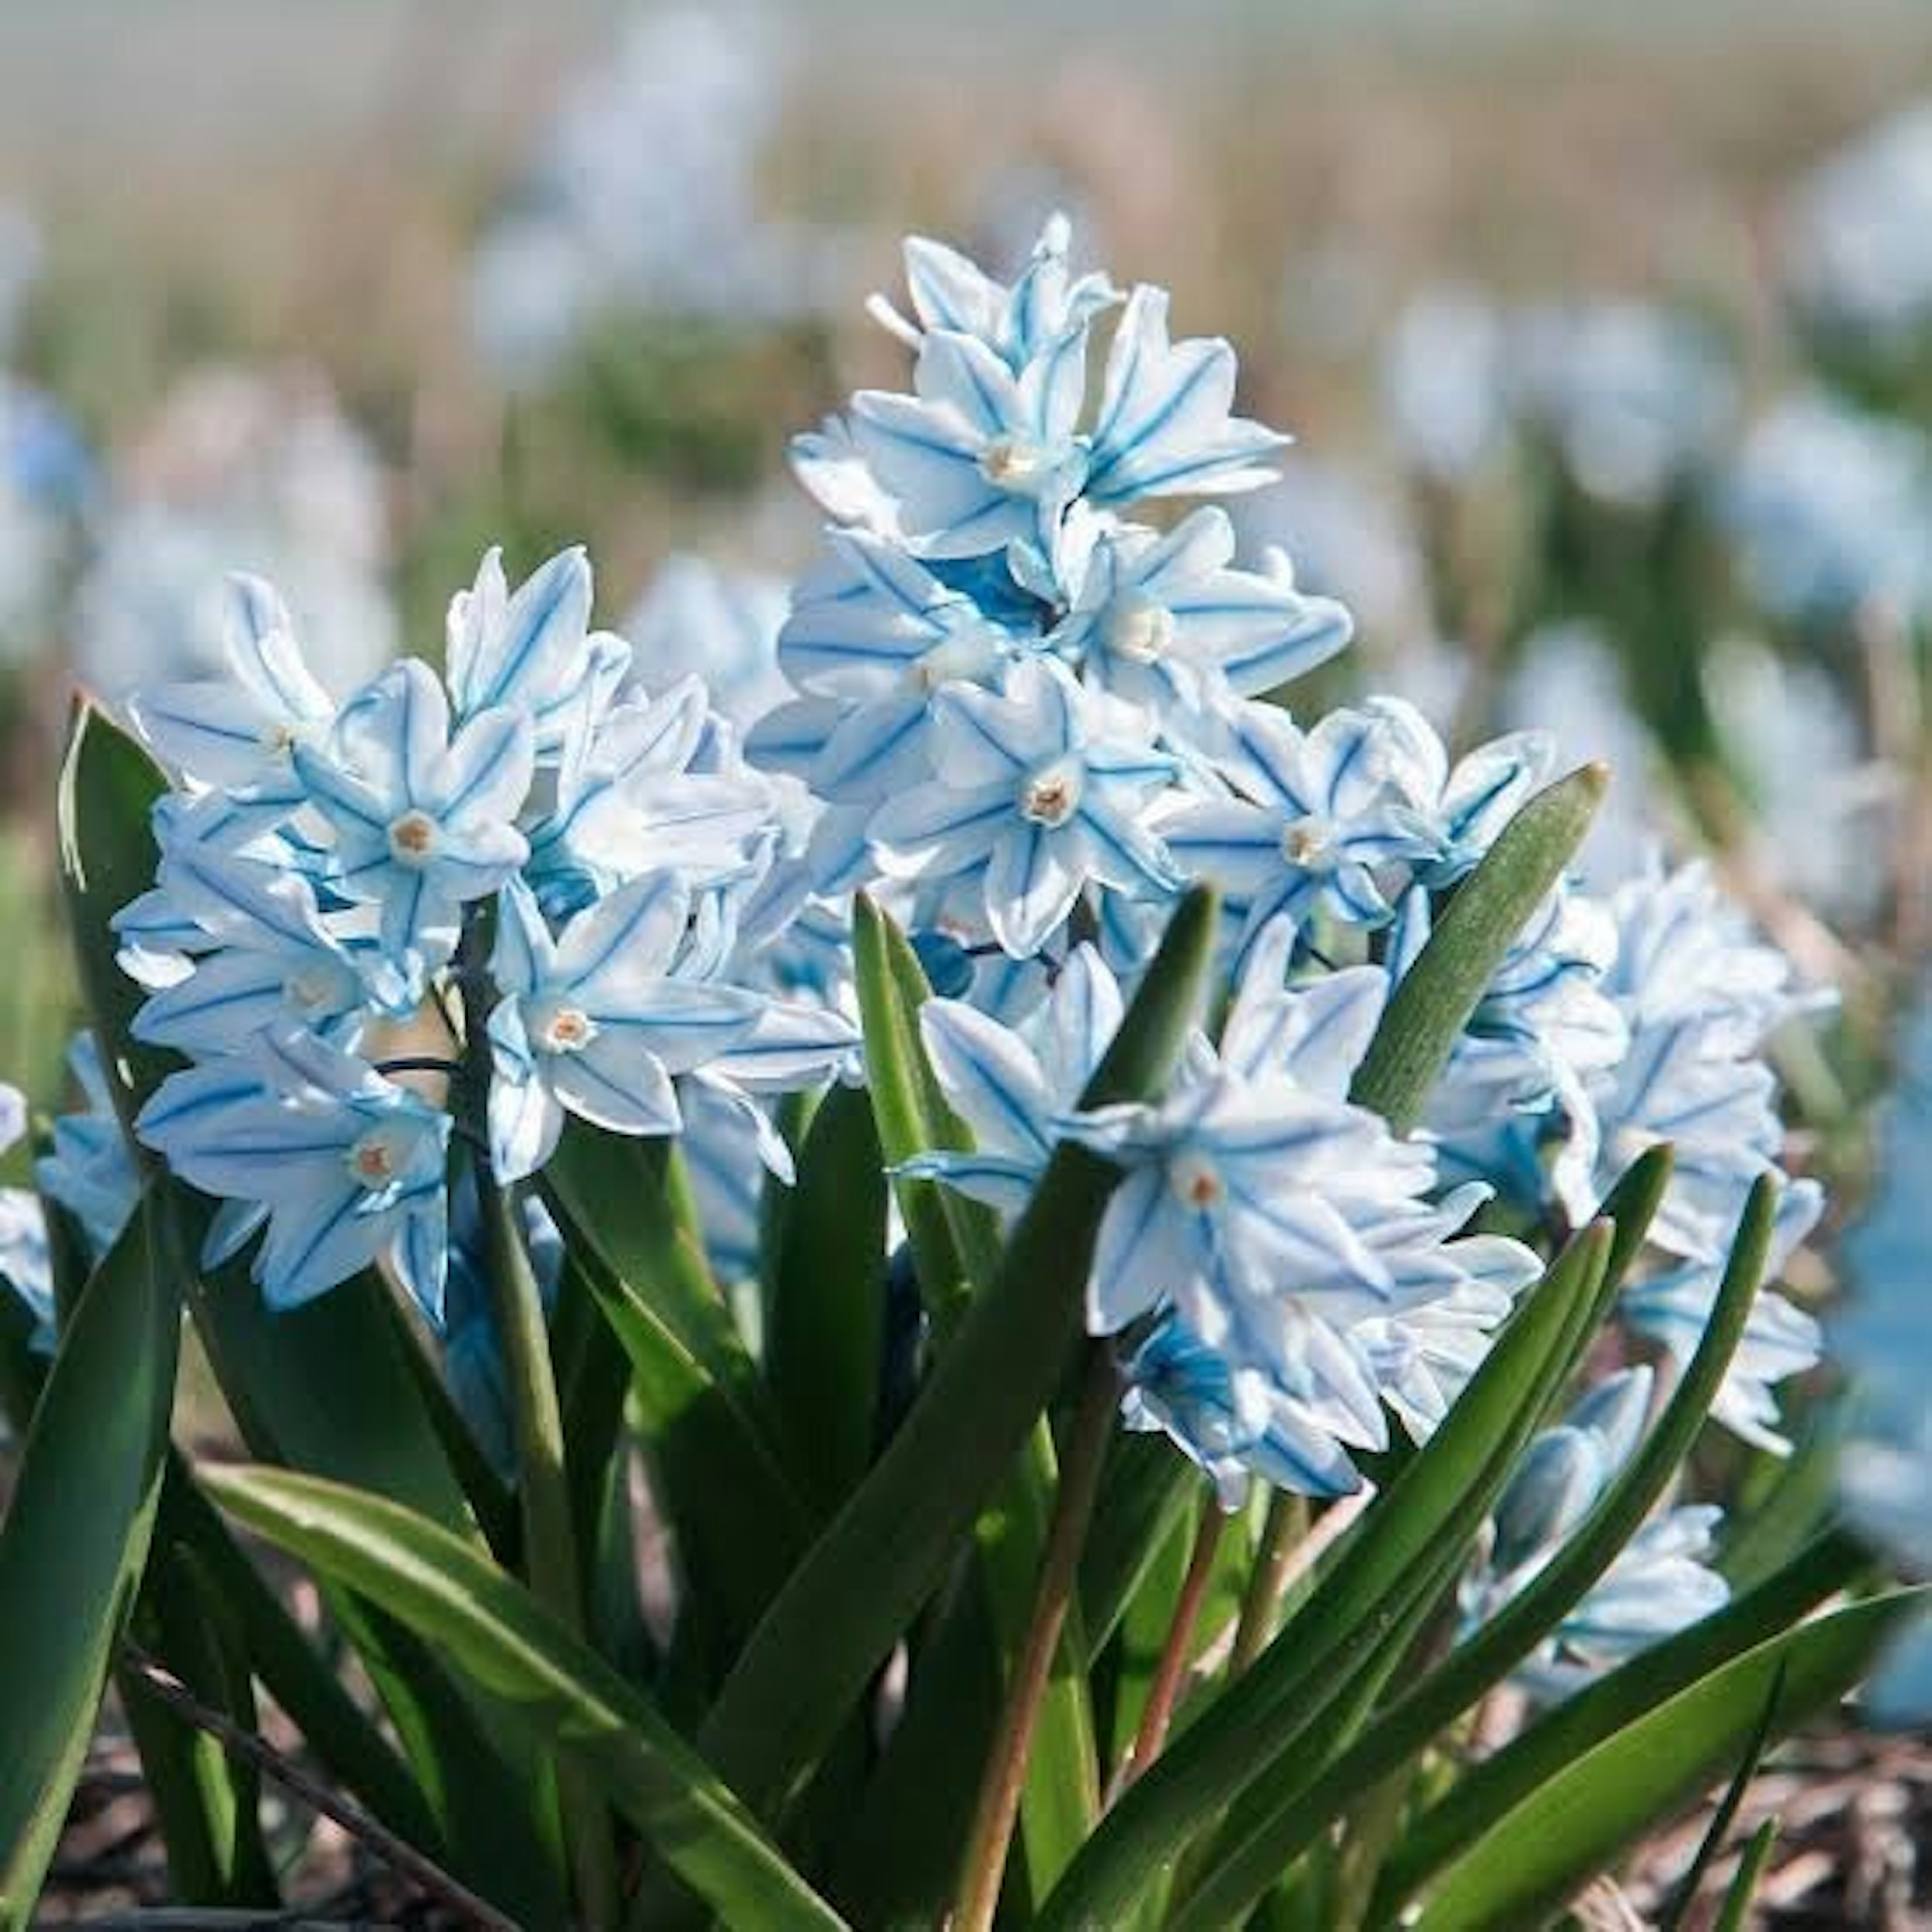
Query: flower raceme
[{"x": 1029, "y": 694}]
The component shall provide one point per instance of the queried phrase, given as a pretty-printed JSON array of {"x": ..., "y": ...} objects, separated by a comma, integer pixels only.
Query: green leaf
[
  {"x": 1676, "y": 1917},
  {"x": 1432, "y": 1004},
  {"x": 1146, "y": 1491},
  {"x": 1750, "y": 1871},
  {"x": 825, "y": 1339},
  {"x": 740, "y": 1520},
  {"x": 1501, "y": 1784},
  {"x": 493, "y": 1630},
  {"x": 1291, "y": 1805},
  {"x": 74, "y": 1542},
  {"x": 956, "y": 1253},
  {"x": 309, "y": 1692},
  {"x": 1400, "y": 1557},
  {"x": 208, "y": 1802},
  {"x": 1590, "y": 1810},
  {"x": 107, "y": 789},
  {"x": 325, "y": 1387},
  {"x": 864, "y": 1579},
  {"x": 955, "y": 1241}
]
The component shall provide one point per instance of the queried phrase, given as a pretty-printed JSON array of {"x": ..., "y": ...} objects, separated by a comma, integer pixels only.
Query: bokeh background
[{"x": 1606, "y": 333}]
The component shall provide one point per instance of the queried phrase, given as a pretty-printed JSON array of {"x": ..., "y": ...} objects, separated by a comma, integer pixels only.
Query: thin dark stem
[
  {"x": 396, "y": 1853},
  {"x": 1287, "y": 1524},
  {"x": 997, "y": 1810},
  {"x": 421, "y": 1062},
  {"x": 1170, "y": 1673}
]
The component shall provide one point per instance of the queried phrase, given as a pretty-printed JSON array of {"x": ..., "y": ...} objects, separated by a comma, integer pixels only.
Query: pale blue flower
[
  {"x": 1042, "y": 791},
  {"x": 531, "y": 650},
  {"x": 1162, "y": 620},
  {"x": 1660, "y": 1582},
  {"x": 424, "y": 822},
  {"x": 1017, "y": 321},
  {"x": 981, "y": 455},
  {"x": 240, "y": 731},
  {"x": 1443, "y": 378},
  {"x": 595, "y": 1022},
  {"x": 268, "y": 958},
  {"x": 695, "y": 618},
  {"x": 91, "y": 1172},
  {"x": 1236, "y": 1422},
  {"x": 1310, "y": 820},
  {"x": 1672, "y": 1308},
  {"x": 1013, "y": 1086},
  {"x": 342, "y": 1166}
]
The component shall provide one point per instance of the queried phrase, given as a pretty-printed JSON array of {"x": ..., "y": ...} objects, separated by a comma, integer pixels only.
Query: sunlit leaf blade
[
  {"x": 883, "y": 1555},
  {"x": 495, "y": 1633},
  {"x": 1286, "y": 1810},
  {"x": 74, "y": 1540},
  {"x": 1400, "y": 1557},
  {"x": 1590, "y": 1809},
  {"x": 1488, "y": 1792},
  {"x": 1433, "y": 1002}
]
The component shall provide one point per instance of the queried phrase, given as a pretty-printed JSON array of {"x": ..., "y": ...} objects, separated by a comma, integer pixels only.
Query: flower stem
[
  {"x": 1005, "y": 1780},
  {"x": 1287, "y": 1524},
  {"x": 549, "y": 1542},
  {"x": 1170, "y": 1673}
]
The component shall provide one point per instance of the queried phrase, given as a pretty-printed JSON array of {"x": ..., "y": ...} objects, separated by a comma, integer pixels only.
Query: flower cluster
[
  {"x": 1029, "y": 695},
  {"x": 532, "y": 849},
  {"x": 1030, "y": 708}
]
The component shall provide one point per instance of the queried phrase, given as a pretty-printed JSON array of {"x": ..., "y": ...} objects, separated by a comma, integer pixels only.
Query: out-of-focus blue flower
[
  {"x": 696, "y": 619},
  {"x": 1632, "y": 395},
  {"x": 596, "y": 1021},
  {"x": 262, "y": 473},
  {"x": 1661, "y": 1581},
  {"x": 90, "y": 1172},
  {"x": 645, "y": 193},
  {"x": 1885, "y": 1466},
  {"x": 424, "y": 821},
  {"x": 1043, "y": 791},
  {"x": 1443, "y": 380},
  {"x": 1827, "y": 508},
  {"x": 1673, "y": 1307},
  {"x": 342, "y": 1165},
  {"x": 1854, "y": 238}
]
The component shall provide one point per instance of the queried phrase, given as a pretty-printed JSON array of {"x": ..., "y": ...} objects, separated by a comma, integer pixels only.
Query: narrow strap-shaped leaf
[
  {"x": 493, "y": 1630},
  {"x": 309, "y": 1692},
  {"x": 1489, "y": 1791},
  {"x": 1751, "y": 1873},
  {"x": 1400, "y": 1555},
  {"x": 955, "y": 1241},
  {"x": 1589, "y": 1811},
  {"x": 208, "y": 1802},
  {"x": 883, "y": 1555},
  {"x": 1290, "y": 1807},
  {"x": 74, "y": 1541},
  {"x": 1432, "y": 1004},
  {"x": 825, "y": 1333},
  {"x": 1145, "y": 1491},
  {"x": 956, "y": 1252},
  {"x": 740, "y": 1520}
]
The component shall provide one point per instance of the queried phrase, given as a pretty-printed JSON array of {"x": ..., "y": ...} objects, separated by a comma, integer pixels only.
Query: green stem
[
  {"x": 997, "y": 1810},
  {"x": 1170, "y": 1673},
  {"x": 550, "y": 1565},
  {"x": 1287, "y": 1525}
]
